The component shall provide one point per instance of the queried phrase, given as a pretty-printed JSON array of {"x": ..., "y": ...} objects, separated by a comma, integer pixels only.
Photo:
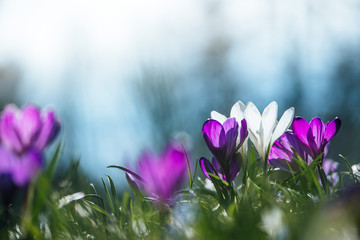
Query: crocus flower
[
  {"x": 264, "y": 128},
  {"x": 315, "y": 135},
  {"x": 282, "y": 156},
  {"x": 161, "y": 176},
  {"x": 28, "y": 128},
  {"x": 237, "y": 112},
  {"x": 221, "y": 140},
  {"x": 24, "y": 134},
  {"x": 330, "y": 168}
]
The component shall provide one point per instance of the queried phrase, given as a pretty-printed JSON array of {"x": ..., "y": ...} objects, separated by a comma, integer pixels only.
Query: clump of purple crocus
[
  {"x": 221, "y": 140},
  {"x": 308, "y": 141},
  {"x": 24, "y": 134},
  {"x": 160, "y": 176}
]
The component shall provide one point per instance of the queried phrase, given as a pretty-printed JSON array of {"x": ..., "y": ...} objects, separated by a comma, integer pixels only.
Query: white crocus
[
  {"x": 264, "y": 128},
  {"x": 237, "y": 112}
]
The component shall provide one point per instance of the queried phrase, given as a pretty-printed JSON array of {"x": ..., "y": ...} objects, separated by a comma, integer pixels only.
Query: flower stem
[
  {"x": 266, "y": 159},
  {"x": 323, "y": 180}
]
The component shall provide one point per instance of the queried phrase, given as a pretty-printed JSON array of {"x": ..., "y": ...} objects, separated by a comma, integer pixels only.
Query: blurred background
[{"x": 125, "y": 76}]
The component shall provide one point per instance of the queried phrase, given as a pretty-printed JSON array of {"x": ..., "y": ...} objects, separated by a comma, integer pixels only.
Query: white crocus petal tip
[
  {"x": 273, "y": 102},
  {"x": 271, "y": 107},
  {"x": 251, "y": 104},
  {"x": 241, "y": 105},
  {"x": 218, "y": 117},
  {"x": 237, "y": 111},
  {"x": 283, "y": 124}
]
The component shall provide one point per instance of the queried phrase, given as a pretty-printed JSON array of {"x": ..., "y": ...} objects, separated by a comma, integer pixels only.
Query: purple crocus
[
  {"x": 315, "y": 135},
  {"x": 221, "y": 140},
  {"x": 161, "y": 176},
  {"x": 330, "y": 168},
  {"x": 282, "y": 156},
  {"x": 24, "y": 135}
]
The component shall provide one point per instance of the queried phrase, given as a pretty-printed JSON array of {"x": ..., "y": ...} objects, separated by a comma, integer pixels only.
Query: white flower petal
[
  {"x": 253, "y": 117},
  {"x": 269, "y": 120},
  {"x": 237, "y": 111},
  {"x": 218, "y": 117},
  {"x": 284, "y": 123},
  {"x": 255, "y": 139}
]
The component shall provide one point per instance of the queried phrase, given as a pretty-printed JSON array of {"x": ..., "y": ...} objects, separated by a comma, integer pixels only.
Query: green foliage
[{"x": 263, "y": 203}]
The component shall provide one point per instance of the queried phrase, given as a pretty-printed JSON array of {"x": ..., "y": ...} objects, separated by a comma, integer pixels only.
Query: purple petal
[
  {"x": 326, "y": 150},
  {"x": 29, "y": 124},
  {"x": 218, "y": 169},
  {"x": 230, "y": 124},
  {"x": 231, "y": 134},
  {"x": 147, "y": 164},
  {"x": 49, "y": 130},
  {"x": 216, "y": 165},
  {"x": 213, "y": 133},
  {"x": 284, "y": 142},
  {"x": 174, "y": 161},
  {"x": 216, "y": 140},
  {"x": 8, "y": 132},
  {"x": 281, "y": 149},
  {"x": 317, "y": 131},
  {"x": 163, "y": 175},
  {"x": 280, "y": 157},
  {"x": 26, "y": 167},
  {"x": 281, "y": 154},
  {"x": 243, "y": 131},
  {"x": 332, "y": 128},
  {"x": 234, "y": 169},
  {"x": 329, "y": 166},
  {"x": 204, "y": 163},
  {"x": 295, "y": 144},
  {"x": 6, "y": 159},
  {"x": 334, "y": 178},
  {"x": 300, "y": 128},
  {"x": 155, "y": 179}
]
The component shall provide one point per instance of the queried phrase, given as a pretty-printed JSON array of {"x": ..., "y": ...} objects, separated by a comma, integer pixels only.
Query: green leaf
[
  {"x": 349, "y": 167},
  {"x": 53, "y": 162},
  {"x": 114, "y": 196},
  {"x": 128, "y": 171},
  {"x": 187, "y": 165},
  {"x": 97, "y": 208},
  {"x": 194, "y": 174},
  {"x": 100, "y": 200},
  {"x": 108, "y": 196}
]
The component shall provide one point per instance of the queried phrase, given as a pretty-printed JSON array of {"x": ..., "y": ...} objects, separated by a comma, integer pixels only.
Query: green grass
[{"x": 270, "y": 204}]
